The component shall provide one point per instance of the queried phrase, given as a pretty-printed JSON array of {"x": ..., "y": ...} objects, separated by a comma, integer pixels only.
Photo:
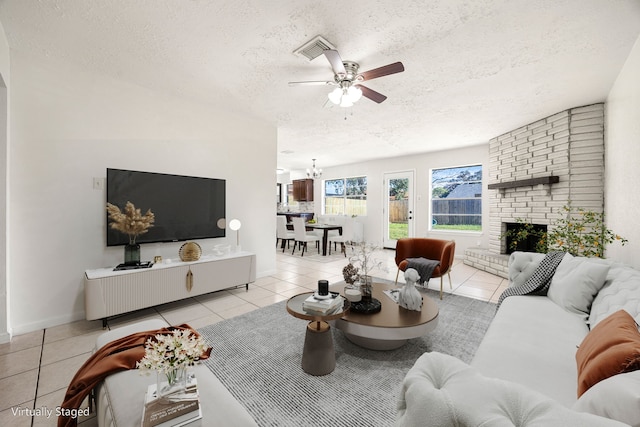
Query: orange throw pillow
[{"x": 612, "y": 347}]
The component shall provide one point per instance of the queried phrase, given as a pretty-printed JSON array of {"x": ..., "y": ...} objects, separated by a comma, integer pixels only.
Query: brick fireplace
[{"x": 537, "y": 169}]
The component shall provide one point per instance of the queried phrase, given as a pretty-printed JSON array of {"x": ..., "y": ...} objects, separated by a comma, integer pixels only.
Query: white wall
[
  {"x": 68, "y": 126},
  {"x": 622, "y": 157},
  {"x": 421, "y": 164},
  {"x": 4, "y": 136}
]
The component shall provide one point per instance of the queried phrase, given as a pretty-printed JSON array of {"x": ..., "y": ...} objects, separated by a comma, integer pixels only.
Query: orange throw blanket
[{"x": 118, "y": 355}]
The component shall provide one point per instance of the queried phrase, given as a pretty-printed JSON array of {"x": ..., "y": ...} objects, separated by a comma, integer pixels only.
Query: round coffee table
[
  {"x": 318, "y": 355},
  {"x": 390, "y": 328}
]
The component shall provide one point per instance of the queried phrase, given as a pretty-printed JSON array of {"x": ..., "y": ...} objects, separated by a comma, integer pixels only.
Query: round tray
[{"x": 366, "y": 307}]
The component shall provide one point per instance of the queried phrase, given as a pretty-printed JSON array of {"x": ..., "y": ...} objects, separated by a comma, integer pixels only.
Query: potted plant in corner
[{"x": 132, "y": 223}]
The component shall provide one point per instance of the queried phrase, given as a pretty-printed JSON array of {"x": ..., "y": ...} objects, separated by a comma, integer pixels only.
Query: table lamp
[{"x": 235, "y": 225}]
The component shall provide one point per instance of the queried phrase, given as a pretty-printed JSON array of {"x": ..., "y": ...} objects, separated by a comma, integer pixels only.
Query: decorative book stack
[
  {"x": 174, "y": 410},
  {"x": 323, "y": 305}
]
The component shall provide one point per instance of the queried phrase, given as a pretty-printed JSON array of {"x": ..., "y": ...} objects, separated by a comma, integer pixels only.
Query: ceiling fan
[{"x": 348, "y": 80}]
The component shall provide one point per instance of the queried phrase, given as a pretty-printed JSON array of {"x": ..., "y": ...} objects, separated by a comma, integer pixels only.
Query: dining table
[
  {"x": 325, "y": 235},
  {"x": 325, "y": 232}
]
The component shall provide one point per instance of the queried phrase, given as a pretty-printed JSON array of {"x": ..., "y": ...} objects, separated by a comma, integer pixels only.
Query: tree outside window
[{"x": 456, "y": 198}]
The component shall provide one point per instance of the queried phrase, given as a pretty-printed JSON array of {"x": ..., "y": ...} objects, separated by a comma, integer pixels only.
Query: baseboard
[
  {"x": 266, "y": 273},
  {"x": 5, "y": 337},
  {"x": 47, "y": 323}
]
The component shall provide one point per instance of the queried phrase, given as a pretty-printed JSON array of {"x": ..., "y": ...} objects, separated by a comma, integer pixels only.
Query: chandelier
[{"x": 314, "y": 173}]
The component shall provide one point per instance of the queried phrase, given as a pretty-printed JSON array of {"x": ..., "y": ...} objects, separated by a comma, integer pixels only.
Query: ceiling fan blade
[
  {"x": 336, "y": 62},
  {"x": 372, "y": 94},
  {"x": 312, "y": 83},
  {"x": 396, "y": 67}
]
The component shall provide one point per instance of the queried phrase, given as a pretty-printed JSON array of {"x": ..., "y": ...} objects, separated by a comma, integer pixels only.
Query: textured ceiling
[{"x": 474, "y": 68}]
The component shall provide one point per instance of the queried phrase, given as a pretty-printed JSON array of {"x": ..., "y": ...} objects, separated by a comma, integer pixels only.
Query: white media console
[{"x": 109, "y": 293}]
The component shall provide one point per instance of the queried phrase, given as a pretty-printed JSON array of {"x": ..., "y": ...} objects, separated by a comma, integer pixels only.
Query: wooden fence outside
[
  {"x": 445, "y": 211},
  {"x": 398, "y": 211},
  {"x": 457, "y": 211},
  {"x": 341, "y": 206}
]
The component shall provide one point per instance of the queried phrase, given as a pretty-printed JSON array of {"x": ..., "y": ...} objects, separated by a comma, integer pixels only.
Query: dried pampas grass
[{"x": 131, "y": 222}]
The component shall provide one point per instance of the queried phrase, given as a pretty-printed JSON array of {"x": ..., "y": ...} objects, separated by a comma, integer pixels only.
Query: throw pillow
[
  {"x": 612, "y": 347},
  {"x": 576, "y": 282},
  {"x": 617, "y": 398}
]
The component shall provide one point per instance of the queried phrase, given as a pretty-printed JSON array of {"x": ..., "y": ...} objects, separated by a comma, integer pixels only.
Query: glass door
[{"x": 398, "y": 207}]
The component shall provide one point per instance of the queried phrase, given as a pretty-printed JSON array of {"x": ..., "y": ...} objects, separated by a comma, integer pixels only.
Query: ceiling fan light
[
  {"x": 335, "y": 96},
  {"x": 354, "y": 93},
  {"x": 346, "y": 102}
]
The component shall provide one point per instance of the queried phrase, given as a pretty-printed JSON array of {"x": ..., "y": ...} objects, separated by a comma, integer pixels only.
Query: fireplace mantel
[{"x": 552, "y": 179}]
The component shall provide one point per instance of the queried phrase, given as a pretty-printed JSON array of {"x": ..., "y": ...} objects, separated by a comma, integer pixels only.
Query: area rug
[
  {"x": 257, "y": 356},
  {"x": 311, "y": 254}
]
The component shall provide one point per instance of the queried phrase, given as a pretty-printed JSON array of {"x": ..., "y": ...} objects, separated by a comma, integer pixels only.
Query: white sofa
[
  {"x": 120, "y": 397},
  {"x": 525, "y": 370}
]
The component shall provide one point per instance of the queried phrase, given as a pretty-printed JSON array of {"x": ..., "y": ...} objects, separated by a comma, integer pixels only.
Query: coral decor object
[
  {"x": 130, "y": 222},
  {"x": 350, "y": 274}
]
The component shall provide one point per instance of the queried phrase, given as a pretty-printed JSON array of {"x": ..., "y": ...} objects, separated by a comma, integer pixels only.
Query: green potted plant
[{"x": 580, "y": 232}]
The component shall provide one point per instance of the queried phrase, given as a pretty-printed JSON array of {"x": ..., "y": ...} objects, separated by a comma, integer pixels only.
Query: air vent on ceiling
[{"x": 314, "y": 48}]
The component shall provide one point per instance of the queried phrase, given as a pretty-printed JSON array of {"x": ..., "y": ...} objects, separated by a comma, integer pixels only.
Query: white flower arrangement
[{"x": 166, "y": 353}]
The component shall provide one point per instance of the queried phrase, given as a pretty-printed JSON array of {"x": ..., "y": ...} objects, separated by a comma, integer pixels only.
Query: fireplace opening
[{"x": 527, "y": 244}]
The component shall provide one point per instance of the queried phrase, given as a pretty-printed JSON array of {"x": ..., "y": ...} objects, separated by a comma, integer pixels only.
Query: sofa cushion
[
  {"x": 525, "y": 344},
  {"x": 609, "y": 349},
  {"x": 522, "y": 265},
  {"x": 440, "y": 390},
  {"x": 617, "y": 398},
  {"x": 576, "y": 282},
  {"x": 621, "y": 291}
]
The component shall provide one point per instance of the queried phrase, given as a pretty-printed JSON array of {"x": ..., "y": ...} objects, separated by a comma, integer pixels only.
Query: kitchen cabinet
[{"x": 303, "y": 190}]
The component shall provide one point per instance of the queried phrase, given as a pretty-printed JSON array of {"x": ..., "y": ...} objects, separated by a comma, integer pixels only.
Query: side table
[{"x": 318, "y": 354}]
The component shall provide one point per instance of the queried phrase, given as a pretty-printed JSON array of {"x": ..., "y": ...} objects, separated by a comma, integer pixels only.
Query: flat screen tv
[{"x": 185, "y": 207}]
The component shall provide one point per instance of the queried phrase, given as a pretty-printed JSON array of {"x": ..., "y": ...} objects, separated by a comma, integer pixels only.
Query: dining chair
[
  {"x": 335, "y": 220},
  {"x": 345, "y": 237},
  {"x": 301, "y": 236},
  {"x": 282, "y": 233}
]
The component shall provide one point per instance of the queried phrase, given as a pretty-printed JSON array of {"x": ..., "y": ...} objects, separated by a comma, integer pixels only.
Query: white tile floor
[{"x": 36, "y": 368}]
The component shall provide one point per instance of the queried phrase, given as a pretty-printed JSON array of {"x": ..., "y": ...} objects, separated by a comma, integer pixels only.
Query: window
[
  {"x": 345, "y": 196},
  {"x": 456, "y": 198}
]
